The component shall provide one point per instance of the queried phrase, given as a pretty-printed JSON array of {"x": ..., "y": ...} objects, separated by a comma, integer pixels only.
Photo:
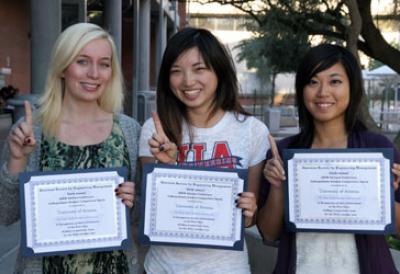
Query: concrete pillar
[
  {"x": 113, "y": 21},
  {"x": 82, "y": 10},
  {"x": 164, "y": 35},
  {"x": 136, "y": 56},
  {"x": 45, "y": 28},
  {"x": 161, "y": 35},
  {"x": 176, "y": 20},
  {"x": 144, "y": 46}
]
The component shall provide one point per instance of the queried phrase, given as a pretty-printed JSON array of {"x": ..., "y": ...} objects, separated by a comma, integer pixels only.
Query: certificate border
[
  {"x": 145, "y": 240},
  {"x": 25, "y": 177},
  {"x": 387, "y": 153}
]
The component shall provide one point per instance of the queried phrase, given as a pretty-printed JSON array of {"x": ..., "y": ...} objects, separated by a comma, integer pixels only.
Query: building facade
[{"x": 28, "y": 29}]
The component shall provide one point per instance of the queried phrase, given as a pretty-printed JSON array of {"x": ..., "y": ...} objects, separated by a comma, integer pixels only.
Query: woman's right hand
[
  {"x": 21, "y": 140},
  {"x": 273, "y": 170},
  {"x": 161, "y": 147}
]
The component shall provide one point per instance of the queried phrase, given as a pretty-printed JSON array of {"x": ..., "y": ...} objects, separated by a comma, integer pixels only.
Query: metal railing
[{"x": 387, "y": 120}]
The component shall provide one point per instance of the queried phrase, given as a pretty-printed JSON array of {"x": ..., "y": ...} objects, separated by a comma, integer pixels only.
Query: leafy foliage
[
  {"x": 283, "y": 45},
  {"x": 251, "y": 50},
  {"x": 393, "y": 242},
  {"x": 275, "y": 48},
  {"x": 328, "y": 19}
]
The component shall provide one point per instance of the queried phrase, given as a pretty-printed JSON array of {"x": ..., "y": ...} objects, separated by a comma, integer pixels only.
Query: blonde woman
[{"x": 78, "y": 125}]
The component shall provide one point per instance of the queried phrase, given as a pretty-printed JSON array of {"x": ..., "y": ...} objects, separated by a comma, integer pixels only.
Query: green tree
[
  {"x": 348, "y": 22},
  {"x": 275, "y": 49}
]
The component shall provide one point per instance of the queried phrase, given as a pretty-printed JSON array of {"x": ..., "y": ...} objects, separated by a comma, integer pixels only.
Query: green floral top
[{"x": 58, "y": 156}]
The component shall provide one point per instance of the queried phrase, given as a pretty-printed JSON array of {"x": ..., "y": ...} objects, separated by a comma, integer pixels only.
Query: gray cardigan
[{"x": 9, "y": 188}]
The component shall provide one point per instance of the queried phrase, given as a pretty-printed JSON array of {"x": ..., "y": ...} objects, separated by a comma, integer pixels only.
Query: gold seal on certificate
[
  {"x": 192, "y": 207},
  {"x": 340, "y": 190},
  {"x": 72, "y": 211}
]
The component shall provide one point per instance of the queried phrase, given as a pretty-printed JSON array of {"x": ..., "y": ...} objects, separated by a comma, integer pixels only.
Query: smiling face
[
  {"x": 192, "y": 82},
  {"x": 90, "y": 72},
  {"x": 327, "y": 95}
]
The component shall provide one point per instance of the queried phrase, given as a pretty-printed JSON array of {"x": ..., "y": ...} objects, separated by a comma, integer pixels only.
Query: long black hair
[
  {"x": 170, "y": 109},
  {"x": 317, "y": 59}
]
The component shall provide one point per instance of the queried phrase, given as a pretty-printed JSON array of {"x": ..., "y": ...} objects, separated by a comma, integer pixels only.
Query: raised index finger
[
  {"x": 157, "y": 124},
  {"x": 274, "y": 147},
  {"x": 28, "y": 112}
]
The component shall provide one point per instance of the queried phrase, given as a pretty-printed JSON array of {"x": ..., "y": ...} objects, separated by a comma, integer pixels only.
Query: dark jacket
[{"x": 373, "y": 253}]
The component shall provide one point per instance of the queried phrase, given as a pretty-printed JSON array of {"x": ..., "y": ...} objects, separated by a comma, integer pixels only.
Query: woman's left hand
[
  {"x": 126, "y": 191},
  {"x": 396, "y": 173},
  {"x": 247, "y": 202}
]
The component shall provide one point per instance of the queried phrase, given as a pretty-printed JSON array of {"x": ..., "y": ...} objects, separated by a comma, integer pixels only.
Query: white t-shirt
[
  {"x": 329, "y": 253},
  {"x": 234, "y": 142}
]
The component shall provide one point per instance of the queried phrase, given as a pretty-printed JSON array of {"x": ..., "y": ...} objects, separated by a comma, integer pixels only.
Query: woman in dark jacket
[{"x": 329, "y": 90}]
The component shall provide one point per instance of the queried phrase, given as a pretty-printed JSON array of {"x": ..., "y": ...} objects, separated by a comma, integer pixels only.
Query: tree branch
[
  {"x": 379, "y": 48},
  {"x": 354, "y": 30}
]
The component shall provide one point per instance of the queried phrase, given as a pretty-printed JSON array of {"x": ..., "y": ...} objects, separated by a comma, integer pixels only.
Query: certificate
[
  {"x": 192, "y": 207},
  {"x": 347, "y": 190},
  {"x": 72, "y": 211}
]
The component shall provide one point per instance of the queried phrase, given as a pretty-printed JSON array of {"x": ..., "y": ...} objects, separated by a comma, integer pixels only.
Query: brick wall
[{"x": 15, "y": 42}]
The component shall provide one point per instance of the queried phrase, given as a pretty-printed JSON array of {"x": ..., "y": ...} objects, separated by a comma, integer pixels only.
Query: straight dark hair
[
  {"x": 317, "y": 59},
  {"x": 171, "y": 110}
]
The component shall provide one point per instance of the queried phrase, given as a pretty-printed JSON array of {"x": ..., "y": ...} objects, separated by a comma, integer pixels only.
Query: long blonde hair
[{"x": 66, "y": 48}]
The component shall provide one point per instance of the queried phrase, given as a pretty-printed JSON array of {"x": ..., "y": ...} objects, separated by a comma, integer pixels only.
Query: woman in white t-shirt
[{"x": 201, "y": 123}]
